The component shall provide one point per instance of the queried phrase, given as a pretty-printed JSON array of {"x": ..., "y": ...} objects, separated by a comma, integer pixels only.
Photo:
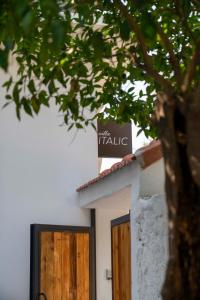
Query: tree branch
[
  {"x": 197, "y": 94},
  {"x": 183, "y": 18},
  {"x": 159, "y": 78},
  {"x": 172, "y": 57},
  {"x": 197, "y": 4},
  {"x": 148, "y": 65},
  {"x": 191, "y": 69}
]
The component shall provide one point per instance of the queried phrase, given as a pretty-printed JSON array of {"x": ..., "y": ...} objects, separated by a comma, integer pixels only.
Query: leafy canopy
[{"x": 83, "y": 55}]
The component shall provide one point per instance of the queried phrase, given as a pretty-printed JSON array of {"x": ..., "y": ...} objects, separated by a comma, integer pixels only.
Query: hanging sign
[{"x": 114, "y": 140}]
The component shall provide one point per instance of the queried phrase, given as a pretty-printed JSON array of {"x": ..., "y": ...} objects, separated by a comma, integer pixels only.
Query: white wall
[
  {"x": 112, "y": 191},
  {"x": 145, "y": 188},
  {"x": 152, "y": 179},
  {"x": 39, "y": 171},
  {"x": 103, "y": 250}
]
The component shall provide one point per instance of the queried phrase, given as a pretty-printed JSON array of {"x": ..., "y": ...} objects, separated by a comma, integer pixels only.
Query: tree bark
[{"x": 179, "y": 130}]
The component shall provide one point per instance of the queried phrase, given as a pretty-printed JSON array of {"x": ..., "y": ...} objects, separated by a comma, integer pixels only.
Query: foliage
[{"x": 87, "y": 54}]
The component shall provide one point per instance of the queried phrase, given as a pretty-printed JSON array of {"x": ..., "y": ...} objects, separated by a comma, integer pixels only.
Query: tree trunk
[{"x": 179, "y": 129}]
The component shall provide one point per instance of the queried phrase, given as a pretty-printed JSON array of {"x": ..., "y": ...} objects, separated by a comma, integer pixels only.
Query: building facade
[{"x": 41, "y": 167}]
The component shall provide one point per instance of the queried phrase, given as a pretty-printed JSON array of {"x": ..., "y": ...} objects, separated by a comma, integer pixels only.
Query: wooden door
[
  {"x": 63, "y": 266},
  {"x": 121, "y": 258}
]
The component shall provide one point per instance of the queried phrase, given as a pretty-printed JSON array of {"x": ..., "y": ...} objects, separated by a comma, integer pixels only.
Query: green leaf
[
  {"x": 43, "y": 98},
  {"x": 6, "y": 104},
  {"x": 27, "y": 107},
  {"x": 98, "y": 43},
  {"x": 31, "y": 86},
  {"x": 141, "y": 4},
  {"x": 148, "y": 26},
  {"x": 8, "y": 83},
  {"x": 125, "y": 30},
  {"x": 16, "y": 93},
  {"x": 28, "y": 21},
  {"x": 4, "y": 59},
  {"x": 79, "y": 126},
  {"x": 51, "y": 87},
  {"x": 70, "y": 127},
  {"x": 35, "y": 105},
  {"x": 18, "y": 112},
  {"x": 8, "y": 97},
  {"x": 93, "y": 126},
  {"x": 139, "y": 131}
]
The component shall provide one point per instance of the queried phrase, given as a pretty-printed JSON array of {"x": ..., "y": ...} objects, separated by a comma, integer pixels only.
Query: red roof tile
[
  {"x": 149, "y": 154},
  {"x": 146, "y": 156}
]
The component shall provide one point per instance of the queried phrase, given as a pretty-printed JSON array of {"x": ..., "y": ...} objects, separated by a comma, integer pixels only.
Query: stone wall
[{"x": 149, "y": 247}]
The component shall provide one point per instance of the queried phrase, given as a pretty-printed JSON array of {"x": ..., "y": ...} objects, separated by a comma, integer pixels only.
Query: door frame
[
  {"x": 120, "y": 220},
  {"x": 36, "y": 229}
]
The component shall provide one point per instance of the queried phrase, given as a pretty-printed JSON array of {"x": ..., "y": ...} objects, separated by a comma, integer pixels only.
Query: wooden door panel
[
  {"x": 82, "y": 269},
  {"x": 64, "y": 265},
  {"x": 121, "y": 261},
  {"x": 115, "y": 264},
  {"x": 57, "y": 265},
  {"x": 47, "y": 266}
]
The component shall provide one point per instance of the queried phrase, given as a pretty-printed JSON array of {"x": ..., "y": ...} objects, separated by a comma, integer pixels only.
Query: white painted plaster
[
  {"x": 103, "y": 246},
  {"x": 118, "y": 200},
  {"x": 149, "y": 230},
  {"x": 148, "y": 224},
  {"x": 40, "y": 170},
  {"x": 109, "y": 188},
  {"x": 112, "y": 198},
  {"x": 152, "y": 179}
]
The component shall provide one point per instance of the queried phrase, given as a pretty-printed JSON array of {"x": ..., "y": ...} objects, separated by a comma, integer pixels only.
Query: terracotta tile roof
[
  {"x": 146, "y": 156},
  {"x": 149, "y": 154}
]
